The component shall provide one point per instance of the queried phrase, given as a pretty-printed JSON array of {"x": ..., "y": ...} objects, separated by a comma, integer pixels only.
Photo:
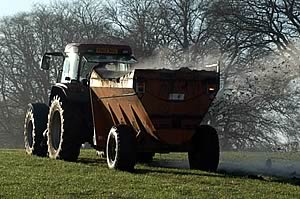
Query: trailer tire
[
  {"x": 205, "y": 151},
  {"x": 34, "y": 127},
  {"x": 121, "y": 148},
  {"x": 63, "y": 130},
  {"x": 145, "y": 157}
]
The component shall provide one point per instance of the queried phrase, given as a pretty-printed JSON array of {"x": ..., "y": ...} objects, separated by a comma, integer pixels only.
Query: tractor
[{"x": 128, "y": 114}]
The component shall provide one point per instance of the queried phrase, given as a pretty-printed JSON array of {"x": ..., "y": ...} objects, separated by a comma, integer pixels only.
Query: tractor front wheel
[{"x": 63, "y": 130}]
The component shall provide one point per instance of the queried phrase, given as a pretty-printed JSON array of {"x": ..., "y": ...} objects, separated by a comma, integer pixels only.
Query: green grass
[
  {"x": 23, "y": 176},
  {"x": 241, "y": 156}
]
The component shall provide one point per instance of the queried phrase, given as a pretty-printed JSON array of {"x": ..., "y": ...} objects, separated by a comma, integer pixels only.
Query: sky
[{"x": 11, "y": 7}]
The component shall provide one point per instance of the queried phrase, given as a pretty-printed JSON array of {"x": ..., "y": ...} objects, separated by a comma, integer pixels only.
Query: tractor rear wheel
[
  {"x": 63, "y": 130},
  {"x": 204, "y": 152},
  {"x": 121, "y": 148},
  {"x": 34, "y": 127}
]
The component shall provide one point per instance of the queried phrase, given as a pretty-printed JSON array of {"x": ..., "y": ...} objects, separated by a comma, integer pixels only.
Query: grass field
[{"x": 23, "y": 176}]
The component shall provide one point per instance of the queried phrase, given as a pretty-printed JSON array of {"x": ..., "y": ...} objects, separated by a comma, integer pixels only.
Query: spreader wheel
[
  {"x": 145, "y": 157},
  {"x": 204, "y": 151},
  {"x": 121, "y": 148}
]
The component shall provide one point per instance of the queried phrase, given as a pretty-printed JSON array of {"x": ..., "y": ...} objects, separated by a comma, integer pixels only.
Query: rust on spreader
[{"x": 167, "y": 104}]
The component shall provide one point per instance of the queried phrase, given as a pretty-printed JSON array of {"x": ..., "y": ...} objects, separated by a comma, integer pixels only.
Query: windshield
[
  {"x": 117, "y": 63},
  {"x": 96, "y": 58}
]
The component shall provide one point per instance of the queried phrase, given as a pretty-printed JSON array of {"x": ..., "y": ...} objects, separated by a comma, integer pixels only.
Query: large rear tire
[
  {"x": 121, "y": 148},
  {"x": 63, "y": 130},
  {"x": 204, "y": 152},
  {"x": 34, "y": 127}
]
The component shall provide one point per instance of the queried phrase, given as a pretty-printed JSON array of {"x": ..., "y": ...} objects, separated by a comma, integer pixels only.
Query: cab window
[{"x": 70, "y": 68}]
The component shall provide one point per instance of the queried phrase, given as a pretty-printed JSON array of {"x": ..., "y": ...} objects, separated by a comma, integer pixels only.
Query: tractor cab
[{"x": 80, "y": 59}]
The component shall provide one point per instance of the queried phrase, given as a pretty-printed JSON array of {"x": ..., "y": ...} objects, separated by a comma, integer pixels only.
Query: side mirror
[
  {"x": 133, "y": 60},
  {"x": 45, "y": 63}
]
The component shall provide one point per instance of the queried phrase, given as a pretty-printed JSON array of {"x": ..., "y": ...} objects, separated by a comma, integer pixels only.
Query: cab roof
[{"x": 87, "y": 48}]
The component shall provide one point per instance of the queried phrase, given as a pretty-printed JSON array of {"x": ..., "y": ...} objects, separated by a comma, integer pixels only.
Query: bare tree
[
  {"x": 187, "y": 27},
  {"x": 255, "y": 107},
  {"x": 138, "y": 23},
  {"x": 24, "y": 38}
]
